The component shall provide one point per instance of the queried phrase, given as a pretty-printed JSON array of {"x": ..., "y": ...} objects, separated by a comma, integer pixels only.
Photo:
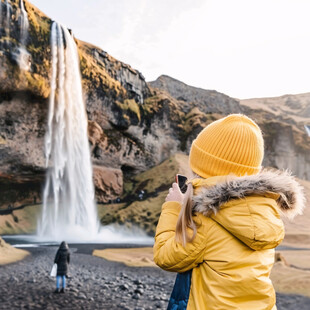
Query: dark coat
[{"x": 62, "y": 259}]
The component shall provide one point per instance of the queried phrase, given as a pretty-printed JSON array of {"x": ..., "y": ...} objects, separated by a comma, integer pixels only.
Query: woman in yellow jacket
[{"x": 221, "y": 234}]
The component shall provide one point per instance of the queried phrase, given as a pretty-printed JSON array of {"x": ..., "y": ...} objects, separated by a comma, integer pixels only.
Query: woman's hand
[{"x": 175, "y": 194}]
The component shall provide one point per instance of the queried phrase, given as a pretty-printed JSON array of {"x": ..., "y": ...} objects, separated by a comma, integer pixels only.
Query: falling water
[
  {"x": 8, "y": 17},
  {"x": 0, "y": 18},
  {"x": 24, "y": 23},
  {"x": 69, "y": 210},
  {"x": 21, "y": 55}
]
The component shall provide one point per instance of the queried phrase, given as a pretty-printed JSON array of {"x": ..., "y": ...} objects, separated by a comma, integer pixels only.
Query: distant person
[
  {"x": 62, "y": 259},
  {"x": 221, "y": 234}
]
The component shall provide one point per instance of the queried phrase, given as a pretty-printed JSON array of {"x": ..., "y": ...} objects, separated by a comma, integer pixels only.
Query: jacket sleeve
[
  {"x": 169, "y": 254},
  {"x": 68, "y": 258}
]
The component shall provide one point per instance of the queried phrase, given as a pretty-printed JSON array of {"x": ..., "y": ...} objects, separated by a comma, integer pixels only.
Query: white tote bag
[{"x": 54, "y": 270}]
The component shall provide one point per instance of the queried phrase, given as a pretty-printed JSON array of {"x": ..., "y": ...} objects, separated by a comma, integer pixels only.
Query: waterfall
[
  {"x": 0, "y": 18},
  {"x": 8, "y": 17},
  {"x": 23, "y": 23},
  {"x": 69, "y": 209},
  {"x": 21, "y": 54}
]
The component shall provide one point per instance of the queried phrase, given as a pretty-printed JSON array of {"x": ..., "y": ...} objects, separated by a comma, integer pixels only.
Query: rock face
[
  {"x": 133, "y": 125},
  {"x": 108, "y": 183},
  {"x": 132, "y": 80},
  {"x": 282, "y": 120},
  {"x": 22, "y": 128},
  {"x": 208, "y": 101}
]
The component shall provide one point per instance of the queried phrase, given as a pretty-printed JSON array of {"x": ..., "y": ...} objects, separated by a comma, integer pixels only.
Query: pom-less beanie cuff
[
  {"x": 216, "y": 166},
  {"x": 231, "y": 145}
]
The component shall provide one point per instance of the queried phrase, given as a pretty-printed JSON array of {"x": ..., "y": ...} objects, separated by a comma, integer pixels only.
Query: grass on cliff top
[
  {"x": 95, "y": 72},
  {"x": 39, "y": 48},
  {"x": 37, "y": 18}
]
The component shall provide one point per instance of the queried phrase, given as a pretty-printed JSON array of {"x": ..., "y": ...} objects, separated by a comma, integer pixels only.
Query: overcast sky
[{"x": 243, "y": 48}]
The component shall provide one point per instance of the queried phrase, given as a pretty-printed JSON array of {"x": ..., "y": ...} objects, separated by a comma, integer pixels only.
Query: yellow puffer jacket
[{"x": 233, "y": 252}]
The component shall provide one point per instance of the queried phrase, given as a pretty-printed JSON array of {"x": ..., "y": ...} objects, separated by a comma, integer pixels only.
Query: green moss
[
  {"x": 151, "y": 104},
  {"x": 2, "y": 141},
  {"x": 128, "y": 187},
  {"x": 196, "y": 118},
  {"x": 39, "y": 21},
  {"x": 9, "y": 39},
  {"x": 109, "y": 213},
  {"x": 165, "y": 173},
  {"x": 144, "y": 213},
  {"x": 38, "y": 84},
  {"x": 130, "y": 105}
]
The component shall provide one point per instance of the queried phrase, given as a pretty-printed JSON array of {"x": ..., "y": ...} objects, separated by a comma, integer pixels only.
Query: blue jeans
[{"x": 58, "y": 281}]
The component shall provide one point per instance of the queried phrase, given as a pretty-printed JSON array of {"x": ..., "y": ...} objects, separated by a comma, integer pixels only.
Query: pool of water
[{"x": 32, "y": 241}]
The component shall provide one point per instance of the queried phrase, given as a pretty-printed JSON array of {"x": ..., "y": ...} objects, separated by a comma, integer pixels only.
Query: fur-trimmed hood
[
  {"x": 248, "y": 207},
  {"x": 291, "y": 199}
]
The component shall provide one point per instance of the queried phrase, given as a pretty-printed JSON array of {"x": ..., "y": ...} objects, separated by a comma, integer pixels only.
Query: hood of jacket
[{"x": 249, "y": 206}]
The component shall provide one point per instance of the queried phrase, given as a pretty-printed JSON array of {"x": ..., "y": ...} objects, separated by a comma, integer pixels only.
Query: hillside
[
  {"x": 296, "y": 107},
  {"x": 208, "y": 101}
]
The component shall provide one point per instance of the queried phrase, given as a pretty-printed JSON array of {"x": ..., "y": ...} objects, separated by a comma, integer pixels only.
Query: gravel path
[{"x": 94, "y": 283}]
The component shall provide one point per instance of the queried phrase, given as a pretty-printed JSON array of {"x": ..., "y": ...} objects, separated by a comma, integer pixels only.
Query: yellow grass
[
  {"x": 297, "y": 231},
  {"x": 134, "y": 257},
  {"x": 292, "y": 279},
  {"x": 131, "y": 105},
  {"x": 22, "y": 221},
  {"x": 9, "y": 254}
]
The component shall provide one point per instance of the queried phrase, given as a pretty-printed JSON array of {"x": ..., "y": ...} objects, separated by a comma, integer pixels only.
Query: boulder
[{"x": 108, "y": 183}]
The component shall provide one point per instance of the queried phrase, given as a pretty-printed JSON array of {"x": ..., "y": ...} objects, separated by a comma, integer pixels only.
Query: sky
[{"x": 243, "y": 48}]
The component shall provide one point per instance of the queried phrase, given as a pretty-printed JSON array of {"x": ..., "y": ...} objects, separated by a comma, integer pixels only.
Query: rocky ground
[{"x": 94, "y": 283}]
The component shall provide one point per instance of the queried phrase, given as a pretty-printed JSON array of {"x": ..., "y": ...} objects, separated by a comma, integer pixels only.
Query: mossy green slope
[{"x": 154, "y": 183}]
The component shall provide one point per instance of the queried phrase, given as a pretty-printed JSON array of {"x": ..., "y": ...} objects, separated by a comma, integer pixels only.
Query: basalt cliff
[{"x": 134, "y": 127}]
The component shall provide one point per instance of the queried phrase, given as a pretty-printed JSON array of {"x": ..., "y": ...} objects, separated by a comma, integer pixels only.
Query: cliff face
[
  {"x": 133, "y": 125},
  {"x": 282, "y": 120}
]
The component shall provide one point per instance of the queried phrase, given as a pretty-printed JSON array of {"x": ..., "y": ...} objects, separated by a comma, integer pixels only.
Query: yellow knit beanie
[{"x": 231, "y": 145}]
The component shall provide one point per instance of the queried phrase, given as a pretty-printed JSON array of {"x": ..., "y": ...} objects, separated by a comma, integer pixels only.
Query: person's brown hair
[{"x": 185, "y": 220}]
